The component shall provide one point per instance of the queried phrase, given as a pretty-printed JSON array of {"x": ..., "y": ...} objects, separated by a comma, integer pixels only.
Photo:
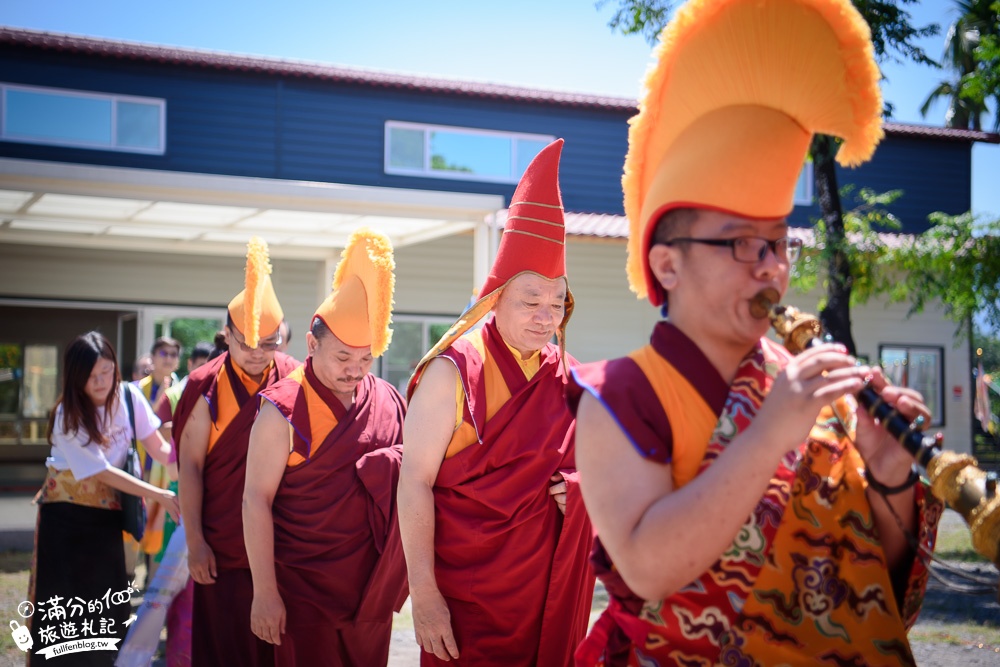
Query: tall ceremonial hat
[
  {"x": 359, "y": 310},
  {"x": 533, "y": 241},
  {"x": 738, "y": 89},
  {"x": 255, "y": 311}
]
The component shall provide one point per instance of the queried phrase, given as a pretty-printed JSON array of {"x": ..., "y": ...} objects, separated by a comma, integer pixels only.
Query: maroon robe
[
  {"x": 220, "y": 631},
  {"x": 513, "y": 569},
  {"x": 337, "y": 549}
]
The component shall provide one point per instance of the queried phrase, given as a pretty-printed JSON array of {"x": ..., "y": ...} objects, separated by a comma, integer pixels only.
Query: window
[
  {"x": 188, "y": 331},
  {"x": 459, "y": 153},
  {"x": 920, "y": 368},
  {"x": 82, "y": 119},
  {"x": 804, "y": 186},
  {"x": 28, "y": 391},
  {"x": 412, "y": 337}
]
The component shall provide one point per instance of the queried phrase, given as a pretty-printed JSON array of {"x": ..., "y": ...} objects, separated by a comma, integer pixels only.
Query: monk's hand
[
  {"x": 201, "y": 563},
  {"x": 432, "y": 624},
  {"x": 886, "y": 459},
  {"x": 808, "y": 382},
  {"x": 558, "y": 491},
  {"x": 267, "y": 616}
]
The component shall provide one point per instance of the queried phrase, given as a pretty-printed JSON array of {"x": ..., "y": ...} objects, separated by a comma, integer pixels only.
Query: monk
[
  {"x": 748, "y": 513},
  {"x": 212, "y": 429},
  {"x": 493, "y": 527},
  {"x": 319, "y": 506}
]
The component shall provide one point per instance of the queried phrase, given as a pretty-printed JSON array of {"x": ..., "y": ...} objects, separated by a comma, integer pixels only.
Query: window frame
[
  {"x": 427, "y": 172},
  {"x": 426, "y": 320},
  {"x": 22, "y": 423},
  {"x": 937, "y": 411},
  {"x": 115, "y": 99}
]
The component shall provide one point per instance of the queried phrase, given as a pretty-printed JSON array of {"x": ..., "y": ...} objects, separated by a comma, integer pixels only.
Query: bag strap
[{"x": 131, "y": 412}]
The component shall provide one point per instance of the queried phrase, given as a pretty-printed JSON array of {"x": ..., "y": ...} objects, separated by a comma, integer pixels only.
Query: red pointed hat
[{"x": 534, "y": 238}]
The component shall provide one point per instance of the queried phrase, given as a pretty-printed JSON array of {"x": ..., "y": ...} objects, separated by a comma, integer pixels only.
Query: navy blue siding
[
  {"x": 934, "y": 175},
  {"x": 292, "y": 128}
]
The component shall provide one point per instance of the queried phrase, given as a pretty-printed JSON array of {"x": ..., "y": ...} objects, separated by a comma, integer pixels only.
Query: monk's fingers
[
  {"x": 211, "y": 565},
  {"x": 437, "y": 648},
  {"x": 556, "y": 478},
  {"x": 560, "y": 502},
  {"x": 556, "y": 489},
  {"x": 908, "y": 402},
  {"x": 258, "y": 628},
  {"x": 450, "y": 645},
  {"x": 271, "y": 631}
]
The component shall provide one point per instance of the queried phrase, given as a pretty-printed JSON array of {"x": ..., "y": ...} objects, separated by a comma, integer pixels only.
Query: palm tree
[{"x": 966, "y": 102}]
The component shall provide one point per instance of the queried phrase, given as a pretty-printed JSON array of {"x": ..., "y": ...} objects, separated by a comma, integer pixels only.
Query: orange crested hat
[
  {"x": 738, "y": 90},
  {"x": 255, "y": 311},
  {"x": 359, "y": 310},
  {"x": 533, "y": 241}
]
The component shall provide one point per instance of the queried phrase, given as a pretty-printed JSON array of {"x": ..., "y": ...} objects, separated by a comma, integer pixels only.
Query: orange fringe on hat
[
  {"x": 740, "y": 71},
  {"x": 257, "y": 271},
  {"x": 368, "y": 254}
]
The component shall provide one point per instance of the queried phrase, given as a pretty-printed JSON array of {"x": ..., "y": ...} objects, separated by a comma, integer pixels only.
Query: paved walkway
[{"x": 17, "y": 522}]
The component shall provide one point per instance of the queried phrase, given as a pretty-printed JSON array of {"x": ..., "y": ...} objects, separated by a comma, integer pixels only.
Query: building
[{"x": 132, "y": 175}]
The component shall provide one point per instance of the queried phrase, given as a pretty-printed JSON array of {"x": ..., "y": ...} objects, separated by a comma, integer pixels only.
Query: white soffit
[{"x": 53, "y": 203}]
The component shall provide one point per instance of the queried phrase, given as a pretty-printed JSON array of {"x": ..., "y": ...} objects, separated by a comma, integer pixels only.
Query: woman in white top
[{"x": 79, "y": 584}]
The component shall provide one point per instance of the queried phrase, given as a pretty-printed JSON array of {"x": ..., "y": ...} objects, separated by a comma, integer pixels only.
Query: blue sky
[{"x": 556, "y": 44}]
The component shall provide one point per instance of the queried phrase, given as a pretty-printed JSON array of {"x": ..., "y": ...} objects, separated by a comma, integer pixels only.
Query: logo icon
[
  {"x": 21, "y": 635},
  {"x": 26, "y": 609}
]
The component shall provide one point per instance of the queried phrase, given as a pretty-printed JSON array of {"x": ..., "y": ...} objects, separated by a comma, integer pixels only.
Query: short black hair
[
  {"x": 219, "y": 343},
  {"x": 319, "y": 329},
  {"x": 674, "y": 223},
  {"x": 202, "y": 350}
]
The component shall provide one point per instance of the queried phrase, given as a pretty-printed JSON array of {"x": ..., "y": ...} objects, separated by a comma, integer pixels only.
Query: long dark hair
[{"x": 79, "y": 412}]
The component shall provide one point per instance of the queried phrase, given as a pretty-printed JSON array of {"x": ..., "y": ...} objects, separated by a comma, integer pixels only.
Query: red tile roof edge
[
  {"x": 112, "y": 48},
  {"x": 598, "y": 225}
]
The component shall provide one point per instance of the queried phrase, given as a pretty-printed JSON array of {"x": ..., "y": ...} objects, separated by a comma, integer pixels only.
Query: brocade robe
[{"x": 805, "y": 580}]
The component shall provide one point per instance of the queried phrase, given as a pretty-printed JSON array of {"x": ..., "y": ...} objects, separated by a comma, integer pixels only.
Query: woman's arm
[
  {"x": 126, "y": 483},
  {"x": 157, "y": 447}
]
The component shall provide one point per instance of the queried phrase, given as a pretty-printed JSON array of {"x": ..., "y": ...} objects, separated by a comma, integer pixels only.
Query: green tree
[
  {"x": 869, "y": 263},
  {"x": 189, "y": 332},
  {"x": 956, "y": 261},
  {"x": 972, "y": 55},
  {"x": 894, "y": 38}
]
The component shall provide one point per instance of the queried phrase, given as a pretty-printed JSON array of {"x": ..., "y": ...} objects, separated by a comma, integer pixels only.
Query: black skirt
[{"x": 81, "y": 593}]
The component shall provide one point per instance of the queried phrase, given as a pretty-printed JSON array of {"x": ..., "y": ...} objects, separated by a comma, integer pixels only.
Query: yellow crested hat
[
  {"x": 255, "y": 311},
  {"x": 359, "y": 310},
  {"x": 738, "y": 89}
]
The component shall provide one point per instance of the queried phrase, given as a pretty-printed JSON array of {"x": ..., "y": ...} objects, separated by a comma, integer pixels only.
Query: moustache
[{"x": 351, "y": 380}]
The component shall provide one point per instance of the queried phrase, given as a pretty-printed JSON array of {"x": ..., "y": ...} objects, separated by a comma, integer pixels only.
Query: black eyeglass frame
[
  {"x": 793, "y": 246},
  {"x": 265, "y": 347}
]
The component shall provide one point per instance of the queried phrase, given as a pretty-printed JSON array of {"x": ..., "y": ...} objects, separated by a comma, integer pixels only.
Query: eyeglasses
[
  {"x": 266, "y": 347},
  {"x": 167, "y": 354},
  {"x": 752, "y": 249}
]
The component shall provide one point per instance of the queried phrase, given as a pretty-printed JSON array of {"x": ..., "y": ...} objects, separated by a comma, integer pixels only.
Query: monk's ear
[
  {"x": 663, "y": 262},
  {"x": 311, "y": 343}
]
